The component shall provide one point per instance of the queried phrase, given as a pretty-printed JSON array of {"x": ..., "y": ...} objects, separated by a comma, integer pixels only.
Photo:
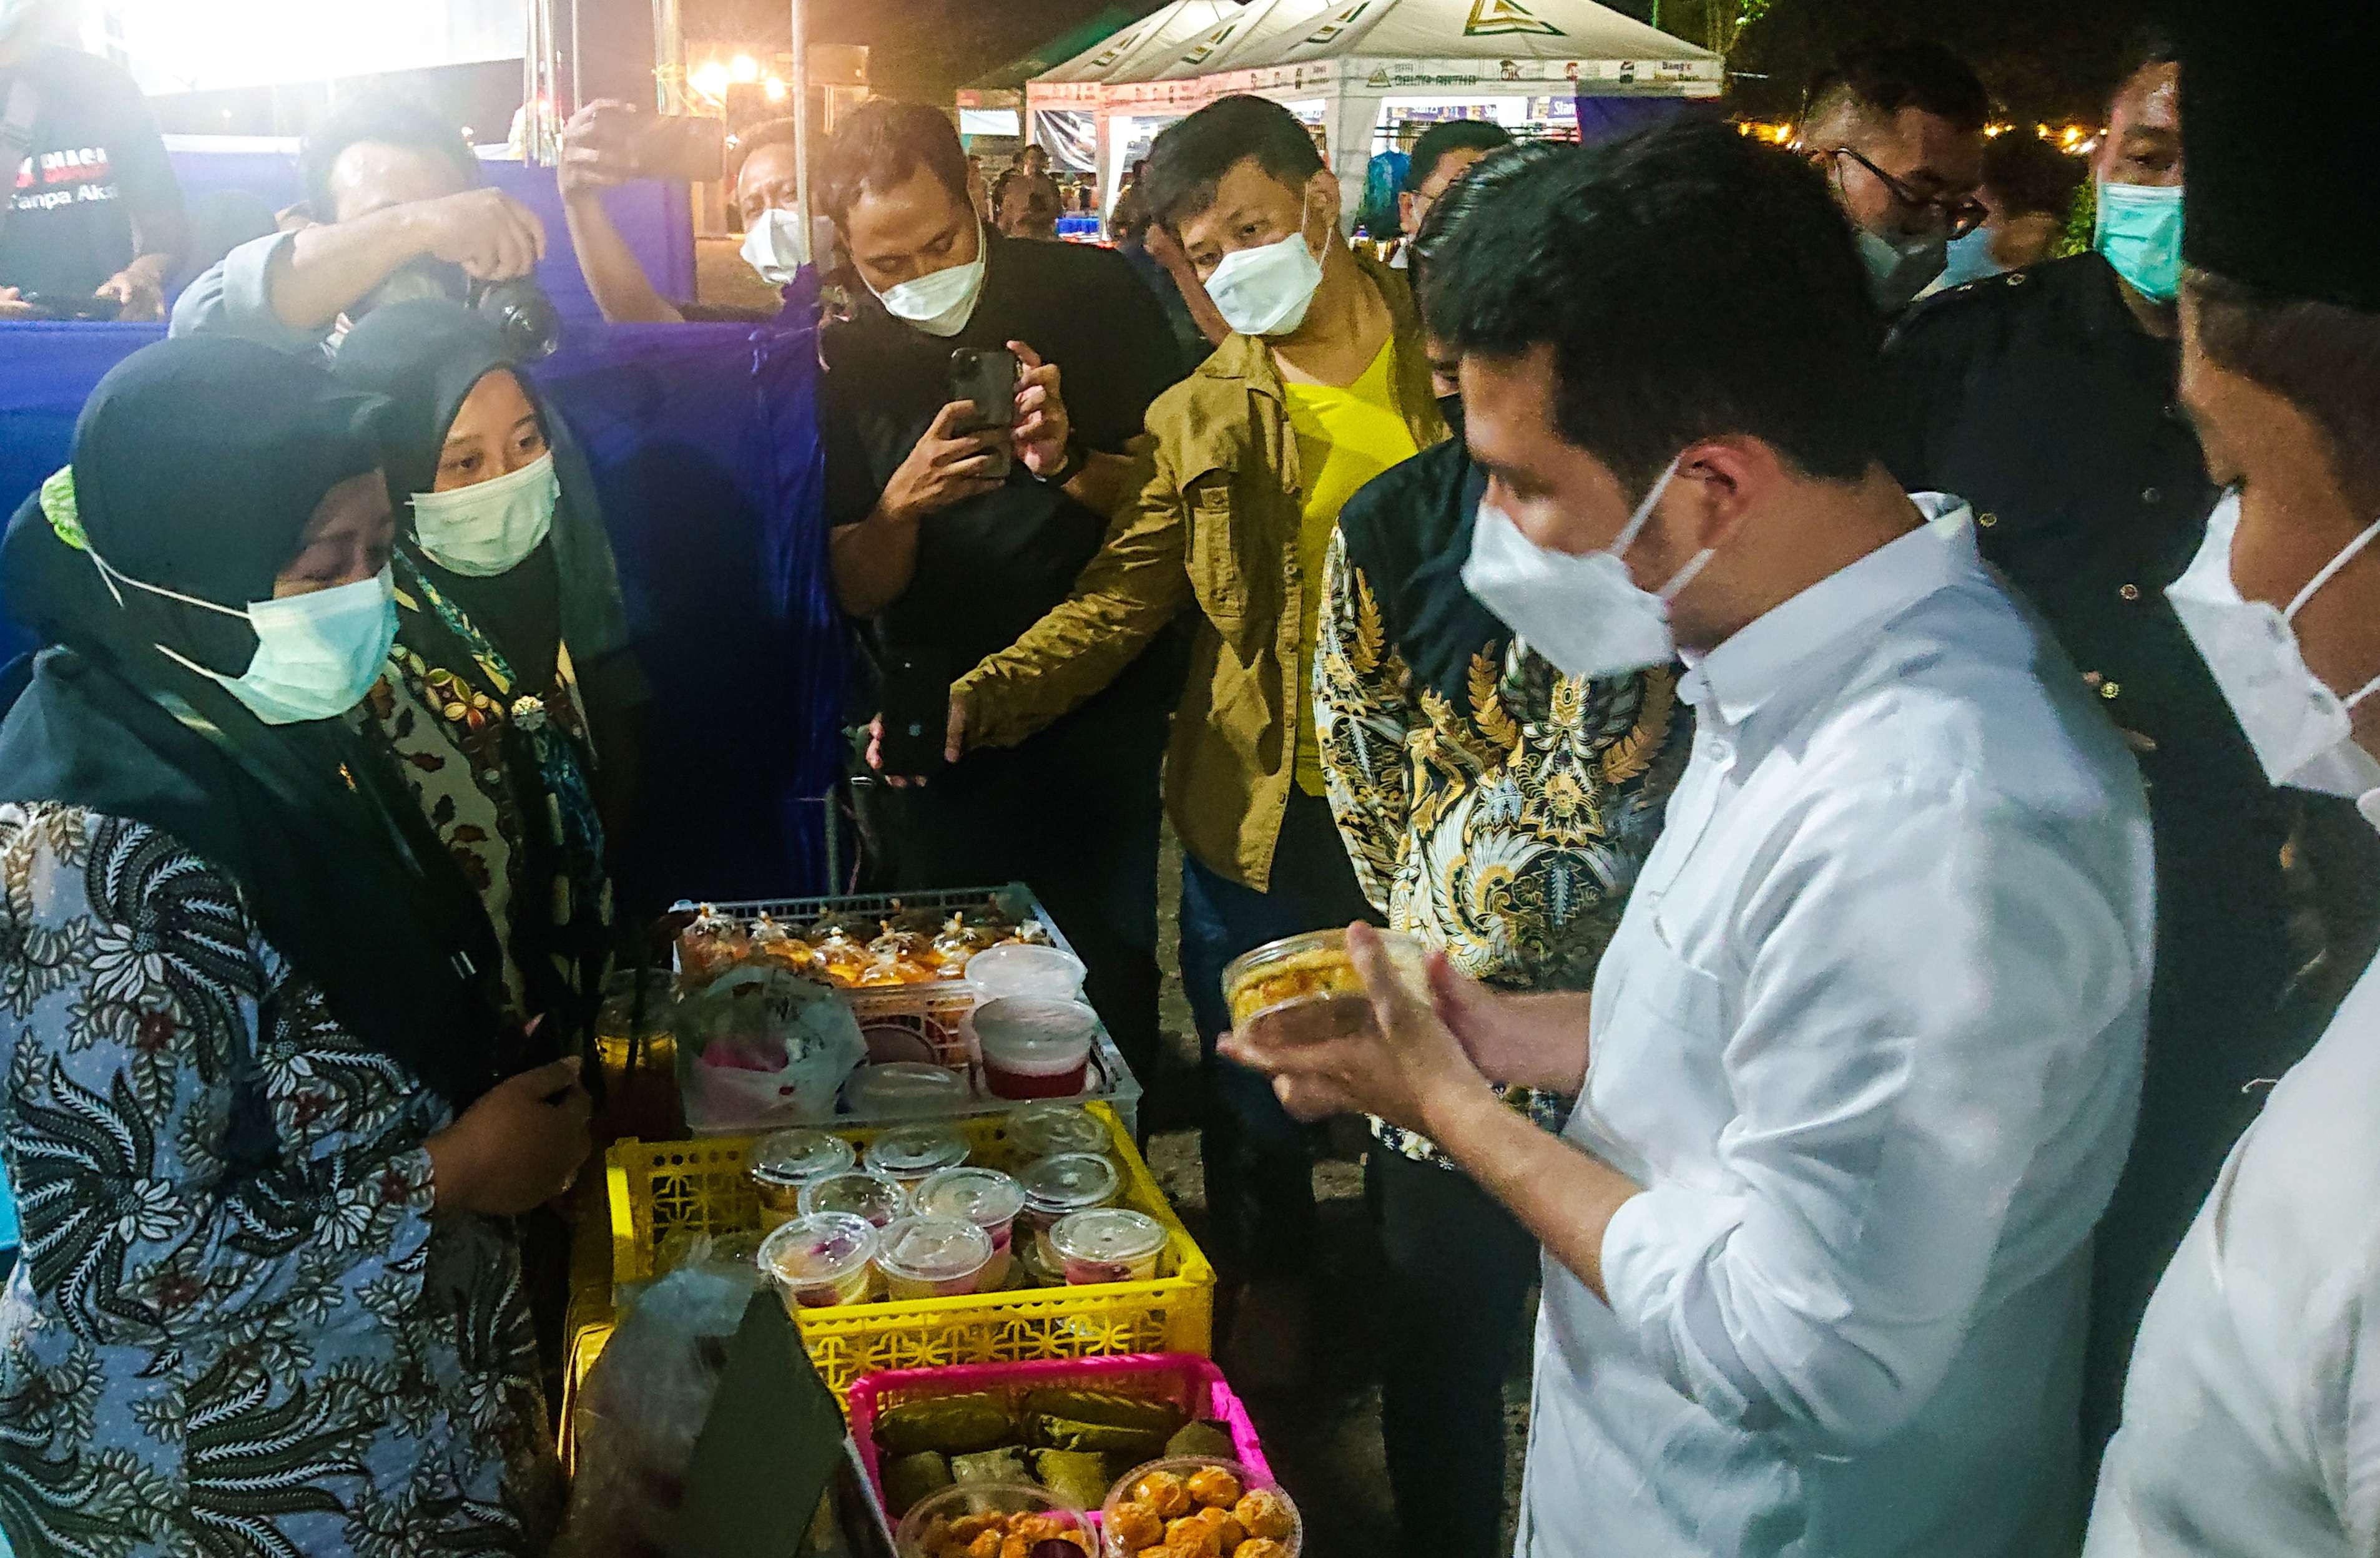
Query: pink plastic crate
[{"x": 1185, "y": 1379}]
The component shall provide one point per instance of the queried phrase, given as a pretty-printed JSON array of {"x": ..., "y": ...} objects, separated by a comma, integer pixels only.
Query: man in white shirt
[
  {"x": 2251, "y": 1412},
  {"x": 1859, "y": 1068}
]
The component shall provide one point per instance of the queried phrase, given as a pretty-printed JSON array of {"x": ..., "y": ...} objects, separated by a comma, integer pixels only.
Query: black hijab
[
  {"x": 197, "y": 466},
  {"x": 427, "y": 357}
]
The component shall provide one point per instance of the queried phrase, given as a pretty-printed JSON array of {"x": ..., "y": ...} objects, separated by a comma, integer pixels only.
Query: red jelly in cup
[
  {"x": 821, "y": 1262},
  {"x": 1033, "y": 1047},
  {"x": 1109, "y": 1245}
]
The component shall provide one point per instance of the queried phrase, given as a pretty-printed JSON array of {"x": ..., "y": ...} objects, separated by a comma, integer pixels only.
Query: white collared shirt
[
  {"x": 1870, "y": 1036},
  {"x": 2251, "y": 1410}
]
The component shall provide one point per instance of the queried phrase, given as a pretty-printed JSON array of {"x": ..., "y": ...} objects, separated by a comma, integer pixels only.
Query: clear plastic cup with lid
[
  {"x": 914, "y": 1153},
  {"x": 1058, "y": 1188},
  {"x": 905, "y": 1090},
  {"x": 985, "y": 1197},
  {"x": 875, "y": 1199},
  {"x": 782, "y": 1163},
  {"x": 1033, "y": 1047},
  {"x": 1050, "y": 1128},
  {"x": 933, "y": 1258},
  {"x": 821, "y": 1260},
  {"x": 1109, "y": 1245}
]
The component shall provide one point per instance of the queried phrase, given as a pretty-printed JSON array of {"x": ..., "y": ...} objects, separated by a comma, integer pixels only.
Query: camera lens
[{"x": 531, "y": 325}]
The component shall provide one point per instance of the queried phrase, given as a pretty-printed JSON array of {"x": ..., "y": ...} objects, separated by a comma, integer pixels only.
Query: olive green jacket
[{"x": 1215, "y": 524}]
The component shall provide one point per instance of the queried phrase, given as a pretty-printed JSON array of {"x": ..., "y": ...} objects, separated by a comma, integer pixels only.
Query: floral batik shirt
[
  {"x": 1493, "y": 806},
  {"x": 232, "y": 1344}
]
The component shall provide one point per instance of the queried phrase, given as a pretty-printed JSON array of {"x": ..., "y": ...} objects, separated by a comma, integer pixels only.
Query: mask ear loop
[
  {"x": 109, "y": 576},
  {"x": 1636, "y": 522},
  {"x": 2330, "y": 569}
]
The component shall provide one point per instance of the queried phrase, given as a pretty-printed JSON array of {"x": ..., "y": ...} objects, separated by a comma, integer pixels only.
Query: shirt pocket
[
  {"x": 1656, "y": 1090},
  {"x": 1217, "y": 576}
]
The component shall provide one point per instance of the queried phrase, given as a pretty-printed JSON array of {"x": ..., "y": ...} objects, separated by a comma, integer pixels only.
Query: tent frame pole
[{"x": 801, "y": 94}]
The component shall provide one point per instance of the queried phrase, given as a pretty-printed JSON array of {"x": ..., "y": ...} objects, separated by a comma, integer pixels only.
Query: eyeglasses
[{"x": 1961, "y": 217}]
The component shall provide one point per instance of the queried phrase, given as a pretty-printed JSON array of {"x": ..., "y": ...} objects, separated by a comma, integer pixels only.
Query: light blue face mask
[
  {"x": 1971, "y": 259},
  {"x": 2140, "y": 233}
]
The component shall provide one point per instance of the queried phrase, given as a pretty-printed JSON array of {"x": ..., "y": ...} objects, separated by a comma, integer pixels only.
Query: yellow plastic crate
[{"x": 657, "y": 1188}]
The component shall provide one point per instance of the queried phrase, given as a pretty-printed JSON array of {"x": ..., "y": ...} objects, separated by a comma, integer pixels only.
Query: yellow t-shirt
[{"x": 1345, "y": 436}]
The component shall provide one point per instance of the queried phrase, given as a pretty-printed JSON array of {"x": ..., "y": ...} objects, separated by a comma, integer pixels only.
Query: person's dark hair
[
  {"x": 383, "y": 120},
  {"x": 1453, "y": 134},
  {"x": 1130, "y": 223},
  {"x": 1887, "y": 77},
  {"x": 767, "y": 133},
  {"x": 880, "y": 146},
  {"x": 2149, "y": 44},
  {"x": 1189, "y": 159},
  {"x": 1498, "y": 170},
  {"x": 1691, "y": 282},
  {"x": 2321, "y": 357},
  {"x": 2025, "y": 175}
]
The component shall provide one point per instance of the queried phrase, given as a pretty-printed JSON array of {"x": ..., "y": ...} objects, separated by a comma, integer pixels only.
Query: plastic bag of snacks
[
  {"x": 642, "y": 1407},
  {"x": 762, "y": 1047}
]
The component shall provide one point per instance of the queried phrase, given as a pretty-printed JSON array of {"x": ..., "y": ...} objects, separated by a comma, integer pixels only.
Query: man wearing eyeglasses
[
  {"x": 1898, "y": 130},
  {"x": 2048, "y": 398}
]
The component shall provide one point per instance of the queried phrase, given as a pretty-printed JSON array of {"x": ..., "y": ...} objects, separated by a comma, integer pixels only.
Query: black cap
[{"x": 2282, "y": 189}]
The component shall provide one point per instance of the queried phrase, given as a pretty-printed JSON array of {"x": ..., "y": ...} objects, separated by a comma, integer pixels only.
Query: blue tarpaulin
[
  {"x": 708, "y": 460},
  {"x": 1608, "y": 118}
]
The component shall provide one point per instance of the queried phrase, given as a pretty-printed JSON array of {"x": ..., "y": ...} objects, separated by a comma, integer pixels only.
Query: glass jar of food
[
  {"x": 1314, "y": 970},
  {"x": 822, "y": 1261},
  {"x": 780, "y": 1165},
  {"x": 914, "y": 1153},
  {"x": 933, "y": 1258},
  {"x": 872, "y": 1197},
  {"x": 985, "y": 1197},
  {"x": 1050, "y": 1128},
  {"x": 1109, "y": 1245}
]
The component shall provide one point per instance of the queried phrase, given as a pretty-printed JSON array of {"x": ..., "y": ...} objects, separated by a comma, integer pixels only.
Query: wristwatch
[{"x": 1068, "y": 469}]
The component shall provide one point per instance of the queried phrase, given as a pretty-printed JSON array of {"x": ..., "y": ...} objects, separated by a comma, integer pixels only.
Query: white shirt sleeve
[
  {"x": 234, "y": 298},
  {"x": 1923, "y": 1051}
]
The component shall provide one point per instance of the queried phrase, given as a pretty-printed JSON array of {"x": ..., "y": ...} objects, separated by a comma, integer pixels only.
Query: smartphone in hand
[
  {"x": 689, "y": 147},
  {"x": 987, "y": 381},
  {"x": 916, "y": 703}
]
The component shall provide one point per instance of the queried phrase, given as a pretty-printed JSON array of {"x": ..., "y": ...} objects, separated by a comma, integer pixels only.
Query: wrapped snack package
[
  {"x": 767, "y": 1047},
  {"x": 1076, "y": 1477},
  {"x": 708, "y": 947}
]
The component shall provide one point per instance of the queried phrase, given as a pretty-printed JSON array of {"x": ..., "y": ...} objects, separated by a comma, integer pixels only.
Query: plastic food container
[
  {"x": 1309, "y": 968},
  {"x": 1047, "y": 1129},
  {"x": 1058, "y": 1188},
  {"x": 1108, "y": 1245},
  {"x": 906, "y": 1089},
  {"x": 985, "y": 1197},
  {"x": 933, "y": 1258},
  {"x": 1033, "y": 1047},
  {"x": 1050, "y": 973},
  {"x": 1015, "y": 1509},
  {"x": 780, "y": 1165},
  {"x": 822, "y": 1261},
  {"x": 1188, "y": 1484},
  {"x": 915, "y": 1154},
  {"x": 876, "y": 1198}
]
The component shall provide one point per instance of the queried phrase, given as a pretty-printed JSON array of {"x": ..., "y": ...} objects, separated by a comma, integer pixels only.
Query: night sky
[{"x": 2044, "y": 59}]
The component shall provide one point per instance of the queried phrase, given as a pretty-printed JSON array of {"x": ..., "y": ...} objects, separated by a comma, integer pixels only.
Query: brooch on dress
[{"x": 528, "y": 714}]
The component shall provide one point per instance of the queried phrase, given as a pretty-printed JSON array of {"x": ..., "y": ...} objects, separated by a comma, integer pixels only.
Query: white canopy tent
[{"x": 1352, "y": 67}]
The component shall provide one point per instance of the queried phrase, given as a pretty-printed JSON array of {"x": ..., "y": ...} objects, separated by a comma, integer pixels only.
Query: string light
[
  {"x": 711, "y": 80},
  {"x": 746, "y": 69},
  {"x": 774, "y": 89}
]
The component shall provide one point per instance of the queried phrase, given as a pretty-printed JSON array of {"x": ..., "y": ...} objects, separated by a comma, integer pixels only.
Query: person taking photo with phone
[{"x": 954, "y": 525}]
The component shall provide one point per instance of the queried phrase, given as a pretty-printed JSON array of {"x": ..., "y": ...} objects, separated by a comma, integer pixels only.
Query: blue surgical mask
[
  {"x": 1971, "y": 258},
  {"x": 490, "y": 527},
  {"x": 317, "y": 653},
  {"x": 2140, "y": 233}
]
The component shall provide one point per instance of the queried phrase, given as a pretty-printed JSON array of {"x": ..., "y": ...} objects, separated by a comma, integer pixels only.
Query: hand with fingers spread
[
  {"x": 1043, "y": 429},
  {"x": 947, "y": 467},
  {"x": 519, "y": 1146},
  {"x": 1405, "y": 1065}
]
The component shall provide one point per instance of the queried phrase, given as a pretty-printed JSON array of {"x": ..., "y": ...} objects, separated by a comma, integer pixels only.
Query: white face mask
[
  {"x": 1584, "y": 614},
  {"x": 1266, "y": 291},
  {"x": 940, "y": 304},
  {"x": 2301, "y": 729},
  {"x": 316, "y": 654},
  {"x": 776, "y": 247},
  {"x": 489, "y": 528}
]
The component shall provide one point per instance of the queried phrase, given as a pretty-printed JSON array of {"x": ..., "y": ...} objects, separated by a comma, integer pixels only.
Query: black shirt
[
  {"x": 96, "y": 159},
  {"x": 990, "y": 567}
]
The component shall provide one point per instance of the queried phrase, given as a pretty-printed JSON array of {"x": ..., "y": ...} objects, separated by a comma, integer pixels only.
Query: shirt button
[
  {"x": 1987, "y": 519},
  {"x": 2150, "y": 494},
  {"x": 2130, "y": 592}
]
